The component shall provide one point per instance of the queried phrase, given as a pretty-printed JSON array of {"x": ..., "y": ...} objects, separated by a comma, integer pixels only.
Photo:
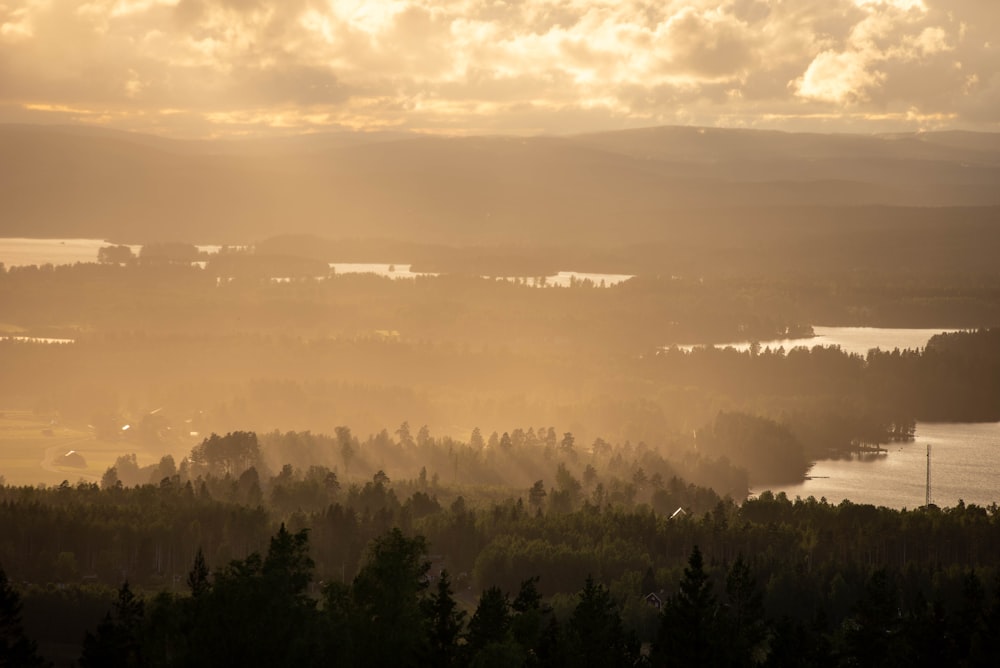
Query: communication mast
[{"x": 927, "y": 500}]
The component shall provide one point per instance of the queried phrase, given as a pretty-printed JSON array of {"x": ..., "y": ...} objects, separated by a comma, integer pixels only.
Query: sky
[{"x": 218, "y": 68}]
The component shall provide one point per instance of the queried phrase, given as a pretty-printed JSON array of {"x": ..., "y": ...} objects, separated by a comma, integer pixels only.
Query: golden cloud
[{"x": 432, "y": 65}]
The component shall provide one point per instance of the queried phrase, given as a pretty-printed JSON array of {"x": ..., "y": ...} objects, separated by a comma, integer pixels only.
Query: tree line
[
  {"x": 825, "y": 402},
  {"x": 496, "y": 509},
  {"x": 268, "y": 609},
  {"x": 814, "y": 562}
]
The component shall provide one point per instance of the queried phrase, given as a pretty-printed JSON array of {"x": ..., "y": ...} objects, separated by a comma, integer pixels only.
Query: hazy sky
[{"x": 216, "y": 67}]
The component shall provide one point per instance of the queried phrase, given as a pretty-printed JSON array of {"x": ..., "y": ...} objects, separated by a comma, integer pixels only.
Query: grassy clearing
[{"x": 30, "y": 448}]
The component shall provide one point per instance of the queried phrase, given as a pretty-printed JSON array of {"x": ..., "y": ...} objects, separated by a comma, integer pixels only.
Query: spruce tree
[
  {"x": 445, "y": 623},
  {"x": 687, "y": 624},
  {"x": 16, "y": 649}
]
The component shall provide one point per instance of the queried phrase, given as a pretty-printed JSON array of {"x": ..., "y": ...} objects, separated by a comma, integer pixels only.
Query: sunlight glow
[
  {"x": 674, "y": 62},
  {"x": 905, "y": 5}
]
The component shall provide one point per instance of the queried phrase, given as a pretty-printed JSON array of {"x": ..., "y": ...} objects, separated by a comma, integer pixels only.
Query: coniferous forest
[
  {"x": 508, "y": 433},
  {"x": 189, "y": 530},
  {"x": 771, "y": 582},
  {"x": 499, "y": 334}
]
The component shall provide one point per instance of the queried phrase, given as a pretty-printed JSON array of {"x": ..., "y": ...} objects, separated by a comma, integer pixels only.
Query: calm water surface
[
  {"x": 562, "y": 279},
  {"x": 965, "y": 464},
  {"x": 19, "y": 251},
  {"x": 36, "y": 339},
  {"x": 387, "y": 270},
  {"x": 854, "y": 340},
  {"x": 965, "y": 461},
  {"x": 565, "y": 279}
]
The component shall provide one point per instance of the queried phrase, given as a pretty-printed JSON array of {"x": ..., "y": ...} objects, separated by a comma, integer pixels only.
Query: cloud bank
[{"x": 217, "y": 67}]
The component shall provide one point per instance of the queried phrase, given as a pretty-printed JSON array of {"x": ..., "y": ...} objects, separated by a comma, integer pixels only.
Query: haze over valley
[
  {"x": 544, "y": 333},
  {"x": 654, "y": 184}
]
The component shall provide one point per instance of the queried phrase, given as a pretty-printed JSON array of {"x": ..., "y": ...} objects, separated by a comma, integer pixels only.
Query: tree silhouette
[
  {"x": 687, "y": 623},
  {"x": 445, "y": 623},
  {"x": 743, "y": 618},
  {"x": 117, "y": 642},
  {"x": 529, "y": 614},
  {"x": 197, "y": 579},
  {"x": 16, "y": 649},
  {"x": 536, "y": 495},
  {"x": 490, "y": 622},
  {"x": 597, "y": 636},
  {"x": 389, "y": 624}
]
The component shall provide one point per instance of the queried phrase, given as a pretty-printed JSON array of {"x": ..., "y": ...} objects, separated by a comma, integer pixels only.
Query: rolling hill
[{"x": 655, "y": 184}]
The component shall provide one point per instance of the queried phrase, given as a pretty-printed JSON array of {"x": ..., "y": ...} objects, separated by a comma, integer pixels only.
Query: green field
[{"x": 31, "y": 447}]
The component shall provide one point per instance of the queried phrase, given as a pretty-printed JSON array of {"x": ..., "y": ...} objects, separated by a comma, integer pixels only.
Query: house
[{"x": 653, "y": 600}]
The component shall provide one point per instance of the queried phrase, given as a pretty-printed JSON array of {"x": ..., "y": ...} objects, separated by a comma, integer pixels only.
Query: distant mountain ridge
[{"x": 623, "y": 186}]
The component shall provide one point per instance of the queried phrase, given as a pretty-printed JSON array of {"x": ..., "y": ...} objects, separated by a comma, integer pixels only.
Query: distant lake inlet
[
  {"x": 21, "y": 251},
  {"x": 965, "y": 464},
  {"x": 853, "y": 340}
]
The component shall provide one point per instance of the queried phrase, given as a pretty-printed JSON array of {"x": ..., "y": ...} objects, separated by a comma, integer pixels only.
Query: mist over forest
[{"x": 252, "y": 455}]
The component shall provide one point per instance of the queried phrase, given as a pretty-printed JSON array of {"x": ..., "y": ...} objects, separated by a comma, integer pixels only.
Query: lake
[
  {"x": 564, "y": 279},
  {"x": 965, "y": 458},
  {"x": 965, "y": 464},
  {"x": 561, "y": 279},
  {"x": 388, "y": 270},
  {"x": 19, "y": 251},
  {"x": 36, "y": 339},
  {"x": 853, "y": 340}
]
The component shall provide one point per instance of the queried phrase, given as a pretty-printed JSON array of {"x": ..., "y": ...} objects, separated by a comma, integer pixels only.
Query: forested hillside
[
  {"x": 661, "y": 184},
  {"x": 783, "y": 581},
  {"x": 252, "y": 457}
]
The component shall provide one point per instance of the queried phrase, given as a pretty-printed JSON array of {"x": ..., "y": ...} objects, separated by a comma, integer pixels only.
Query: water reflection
[
  {"x": 399, "y": 271},
  {"x": 853, "y": 340},
  {"x": 565, "y": 279},
  {"x": 21, "y": 251},
  {"x": 36, "y": 339},
  {"x": 965, "y": 464},
  {"x": 562, "y": 279}
]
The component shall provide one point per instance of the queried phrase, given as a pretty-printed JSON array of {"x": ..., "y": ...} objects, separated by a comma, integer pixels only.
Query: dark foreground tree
[
  {"x": 388, "y": 625},
  {"x": 445, "y": 624},
  {"x": 197, "y": 579},
  {"x": 596, "y": 634},
  {"x": 486, "y": 641},
  {"x": 117, "y": 642},
  {"x": 16, "y": 649},
  {"x": 254, "y": 612},
  {"x": 742, "y": 622},
  {"x": 529, "y": 617},
  {"x": 687, "y": 635}
]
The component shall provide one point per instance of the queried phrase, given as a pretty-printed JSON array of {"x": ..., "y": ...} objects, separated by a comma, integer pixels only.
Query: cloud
[
  {"x": 446, "y": 64},
  {"x": 710, "y": 43},
  {"x": 842, "y": 78}
]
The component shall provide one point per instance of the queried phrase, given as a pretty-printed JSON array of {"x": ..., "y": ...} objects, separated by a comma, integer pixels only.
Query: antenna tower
[{"x": 927, "y": 499}]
